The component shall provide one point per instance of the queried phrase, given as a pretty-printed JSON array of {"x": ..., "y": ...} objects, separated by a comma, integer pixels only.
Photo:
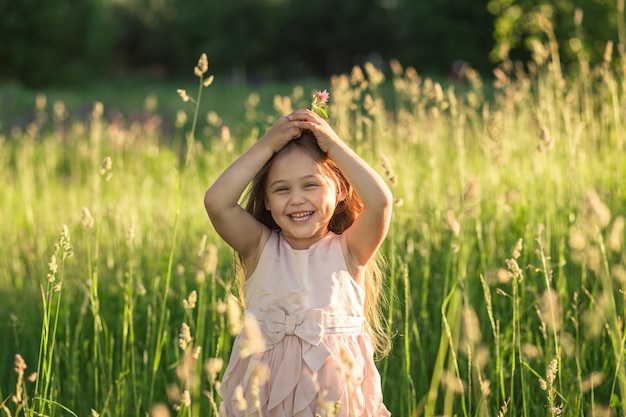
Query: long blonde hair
[{"x": 345, "y": 213}]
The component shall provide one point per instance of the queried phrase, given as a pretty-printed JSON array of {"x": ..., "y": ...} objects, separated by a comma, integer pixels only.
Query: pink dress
[{"x": 302, "y": 351}]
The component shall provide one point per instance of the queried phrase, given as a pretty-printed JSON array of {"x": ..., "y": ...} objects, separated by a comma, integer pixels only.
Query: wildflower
[{"x": 319, "y": 104}]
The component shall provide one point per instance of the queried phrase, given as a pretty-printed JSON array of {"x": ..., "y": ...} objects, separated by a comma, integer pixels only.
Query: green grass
[{"x": 506, "y": 250}]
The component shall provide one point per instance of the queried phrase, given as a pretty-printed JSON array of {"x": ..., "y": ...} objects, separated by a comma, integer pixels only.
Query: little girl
[{"x": 307, "y": 240}]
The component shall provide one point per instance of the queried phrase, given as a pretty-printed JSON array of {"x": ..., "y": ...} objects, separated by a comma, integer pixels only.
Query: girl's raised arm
[
  {"x": 367, "y": 233},
  {"x": 232, "y": 222}
]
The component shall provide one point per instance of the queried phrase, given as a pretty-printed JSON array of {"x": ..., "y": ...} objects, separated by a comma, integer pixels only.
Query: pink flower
[
  {"x": 321, "y": 97},
  {"x": 319, "y": 103}
]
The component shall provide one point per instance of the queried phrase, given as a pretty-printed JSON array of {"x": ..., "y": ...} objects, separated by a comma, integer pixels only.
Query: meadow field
[{"x": 506, "y": 254}]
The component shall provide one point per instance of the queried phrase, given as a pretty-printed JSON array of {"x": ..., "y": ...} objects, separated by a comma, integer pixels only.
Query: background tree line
[{"x": 65, "y": 41}]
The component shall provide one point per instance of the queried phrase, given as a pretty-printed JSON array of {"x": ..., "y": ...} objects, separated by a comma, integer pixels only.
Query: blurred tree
[
  {"x": 144, "y": 38},
  {"x": 329, "y": 37},
  {"x": 66, "y": 40},
  {"x": 51, "y": 41},
  {"x": 582, "y": 27},
  {"x": 432, "y": 34}
]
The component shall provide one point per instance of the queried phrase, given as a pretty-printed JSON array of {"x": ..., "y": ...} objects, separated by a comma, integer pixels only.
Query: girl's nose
[{"x": 296, "y": 198}]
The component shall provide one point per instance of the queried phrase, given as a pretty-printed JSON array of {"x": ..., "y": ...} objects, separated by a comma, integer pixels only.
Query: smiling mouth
[{"x": 301, "y": 216}]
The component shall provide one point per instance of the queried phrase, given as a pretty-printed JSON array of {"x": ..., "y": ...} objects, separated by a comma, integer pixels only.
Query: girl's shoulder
[{"x": 252, "y": 260}]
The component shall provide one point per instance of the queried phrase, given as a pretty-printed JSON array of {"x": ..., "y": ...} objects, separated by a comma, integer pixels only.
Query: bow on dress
[
  {"x": 307, "y": 346},
  {"x": 308, "y": 325}
]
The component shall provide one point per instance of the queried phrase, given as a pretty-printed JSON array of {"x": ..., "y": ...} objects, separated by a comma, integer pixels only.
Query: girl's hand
[
  {"x": 281, "y": 133},
  {"x": 324, "y": 134}
]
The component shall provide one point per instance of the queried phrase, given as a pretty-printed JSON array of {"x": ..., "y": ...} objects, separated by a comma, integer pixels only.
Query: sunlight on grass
[{"x": 506, "y": 252}]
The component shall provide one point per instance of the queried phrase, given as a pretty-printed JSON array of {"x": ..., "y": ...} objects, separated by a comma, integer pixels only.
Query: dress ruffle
[{"x": 288, "y": 376}]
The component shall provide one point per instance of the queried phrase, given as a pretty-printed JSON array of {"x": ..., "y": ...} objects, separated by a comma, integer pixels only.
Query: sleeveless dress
[{"x": 302, "y": 351}]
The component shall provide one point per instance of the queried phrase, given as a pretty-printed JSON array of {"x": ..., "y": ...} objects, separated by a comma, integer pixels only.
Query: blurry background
[{"x": 61, "y": 42}]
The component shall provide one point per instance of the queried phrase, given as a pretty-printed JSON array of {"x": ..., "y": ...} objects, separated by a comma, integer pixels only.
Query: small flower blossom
[{"x": 319, "y": 104}]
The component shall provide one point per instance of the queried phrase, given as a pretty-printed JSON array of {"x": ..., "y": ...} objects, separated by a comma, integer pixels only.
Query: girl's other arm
[{"x": 232, "y": 222}]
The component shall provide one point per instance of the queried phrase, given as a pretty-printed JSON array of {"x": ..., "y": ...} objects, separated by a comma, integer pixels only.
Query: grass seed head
[
  {"x": 184, "y": 337},
  {"x": 190, "y": 302},
  {"x": 203, "y": 65},
  {"x": 615, "y": 240},
  {"x": 213, "y": 367},
  {"x": 452, "y": 382},
  {"x": 550, "y": 310},
  {"x": 253, "y": 340},
  {"x": 159, "y": 410},
  {"x": 87, "y": 218},
  {"x": 591, "y": 381},
  {"x": 240, "y": 400}
]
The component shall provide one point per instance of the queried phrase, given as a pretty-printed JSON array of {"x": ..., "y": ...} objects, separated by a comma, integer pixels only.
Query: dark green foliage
[
  {"x": 57, "y": 41},
  {"x": 431, "y": 35},
  {"x": 598, "y": 22},
  {"x": 64, "y": 41}
]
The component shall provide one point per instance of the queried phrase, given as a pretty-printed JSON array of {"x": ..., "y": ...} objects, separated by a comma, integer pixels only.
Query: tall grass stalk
[
  {"x": 45, "y": 393},
  {"x": 161, "y": 336},
  {"x": 615, "y": 330}
]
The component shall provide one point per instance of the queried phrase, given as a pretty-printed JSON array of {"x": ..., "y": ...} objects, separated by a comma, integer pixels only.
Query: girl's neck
[{"x": 303, "y": 244}]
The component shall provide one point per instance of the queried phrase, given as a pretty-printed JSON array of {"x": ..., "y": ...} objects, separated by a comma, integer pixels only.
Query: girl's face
[{"x": 301, "y": 197}]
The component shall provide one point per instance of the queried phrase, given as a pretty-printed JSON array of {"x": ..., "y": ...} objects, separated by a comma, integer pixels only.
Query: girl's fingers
[{"x": 303, "y": 114}]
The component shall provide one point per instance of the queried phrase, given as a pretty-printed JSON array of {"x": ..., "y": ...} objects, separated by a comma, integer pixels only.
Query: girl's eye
[
  {"x": 280, "y": 189},
  {"x": 310, "y": 185}
]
